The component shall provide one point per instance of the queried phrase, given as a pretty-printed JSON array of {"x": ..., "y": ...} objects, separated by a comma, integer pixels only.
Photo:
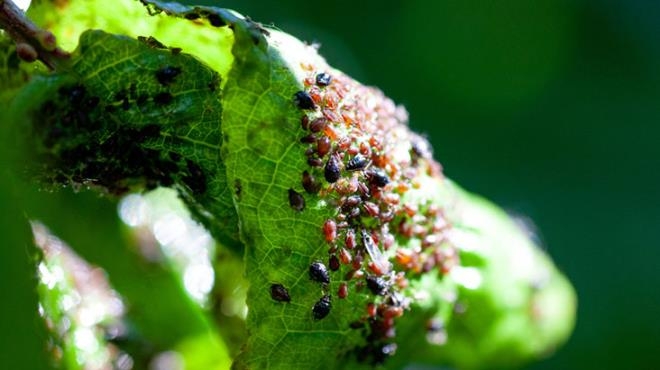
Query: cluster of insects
[
  {"x": 79, "y": 112},
  {"x": 364, "y": 161}
]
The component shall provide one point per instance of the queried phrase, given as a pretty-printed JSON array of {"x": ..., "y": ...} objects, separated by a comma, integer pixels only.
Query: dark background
[{"x": 549, "y": 108}]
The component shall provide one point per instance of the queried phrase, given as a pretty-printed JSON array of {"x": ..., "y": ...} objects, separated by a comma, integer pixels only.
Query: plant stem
[{"x": 32, "y": 42}]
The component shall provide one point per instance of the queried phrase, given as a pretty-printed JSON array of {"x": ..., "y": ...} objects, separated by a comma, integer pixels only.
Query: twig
[{"x": 32, "y": 42}]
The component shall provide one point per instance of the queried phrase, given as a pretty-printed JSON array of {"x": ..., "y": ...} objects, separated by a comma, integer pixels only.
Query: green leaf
[
  {"x": 121, "y": 92},
  {"x": 23, "y": 339},
  {"x": 292, "y": 159}
]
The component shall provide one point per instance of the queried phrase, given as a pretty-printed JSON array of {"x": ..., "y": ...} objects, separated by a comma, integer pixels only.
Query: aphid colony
[{"x": 354, "y": 137}]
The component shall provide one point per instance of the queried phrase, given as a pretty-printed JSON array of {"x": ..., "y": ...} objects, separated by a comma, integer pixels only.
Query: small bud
[
  {"x": 26, "y": 52},
  {"x": 47, "y": 40}
]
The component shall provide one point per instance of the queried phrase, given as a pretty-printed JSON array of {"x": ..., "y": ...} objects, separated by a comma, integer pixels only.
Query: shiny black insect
[
  {"x": 357, "y": 163},
  {"x": 296, "y": 201},
  {"x": 377, "y": 285},
  {"x": 279, "y": 293},
  {"x": 331, "y": 171},
  {"x": 321, "y": 308},
  {"x": 378, "y": 178},
  {"x": 323, "y": 79},
  {"x": 319, "y": 273},
  {"x": 303, "y": 100},
  {"x": 166, "y": 75}
]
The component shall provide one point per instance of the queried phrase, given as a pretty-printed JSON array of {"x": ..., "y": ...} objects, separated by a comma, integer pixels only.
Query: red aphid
[
  {"x": 350, "y": 239},
  {"x": 330, "y": 114},
  {"x": 315, "y": 94},
  {"x": 304, "y": 122},
  {"x": 375, "y": 268},
  {"x": 345, "y": 256},
  {"x": 318, "y": 124},
  {"x": 342, "y": 292},
  {"x": 375, "y": 143},
  {"x": 392, "y": 312},
  {"x": 323, "y": 146},
  {"x": 365, "y": 150},
  {"x": 371, "y": 310},
  {"x": 344, "y": 143},
  {"x": 371, "y": 208},
  {"x": 330, "y": 230},
  {"x": 388, "y": 240}
]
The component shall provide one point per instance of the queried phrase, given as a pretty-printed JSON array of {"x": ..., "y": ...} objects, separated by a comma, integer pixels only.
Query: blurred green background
[{"x": 549, "y": 108}]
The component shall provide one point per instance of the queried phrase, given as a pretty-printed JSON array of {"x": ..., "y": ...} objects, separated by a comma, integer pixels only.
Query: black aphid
[
  {"x": 309, "y": 183},
  {"x": 315, "y": 162},
  {"x": 76, "y": 94},
  {"x": 296, "y": 201},
  {"x": 309, "y": 139},
  {"x": 279, "y": 293},
  {"x": 321, "y": 308},
  {"x": 215, "y": 20},
  {"x": 378, "y": 178},
  {"x": 323, "y": 79},
  {"x": 195, "y": 179},
  {"x": 151, "y": 42},
  {"x": 377, "y": 285},
  {"x": 356, "y": 325},
  {"x": 332, "y": 172},
  {"x": 191, "y": 16},
  {"x": 166, "y": 75},
  {"x": 319, "y": 273},
  {"x": 333, "y": 262},
  {"x": 357, "y": 163},
  {"x": 303, "y": 100},
  {"x": 163, "y": 98}
]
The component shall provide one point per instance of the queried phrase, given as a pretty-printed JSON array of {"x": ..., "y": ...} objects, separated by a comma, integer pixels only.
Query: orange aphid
[
  {"x": 404, "y": 256},
  {"x": 330, "y": 101},
  {"x": 330, "y": 132},
  {"x": 344, "y": 256},
  {"x": 347, "y": 119},
  {"x": 371, "y": 310}
]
